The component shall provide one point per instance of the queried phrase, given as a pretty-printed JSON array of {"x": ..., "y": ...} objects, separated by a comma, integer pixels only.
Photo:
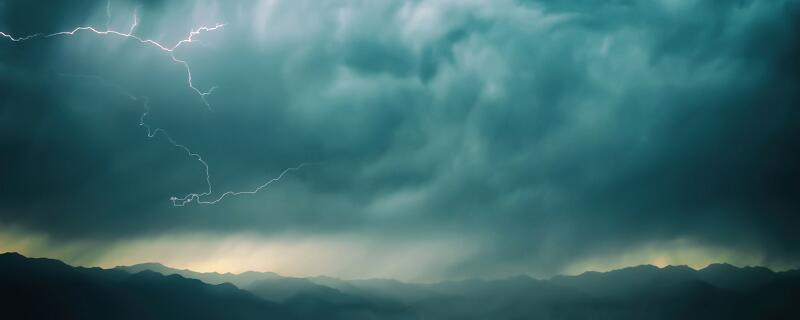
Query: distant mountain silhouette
[
  {"x": 240, "y": 280},
  {"x": 727, "y": 276},
  {"x": 309, "y": 299},
  {"x": 50, "y": 289},
  {"x": 643, "y": 292}
]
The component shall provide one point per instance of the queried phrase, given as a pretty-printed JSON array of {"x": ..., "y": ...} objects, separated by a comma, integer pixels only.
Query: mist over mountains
[{"x": 37, "y": 288}]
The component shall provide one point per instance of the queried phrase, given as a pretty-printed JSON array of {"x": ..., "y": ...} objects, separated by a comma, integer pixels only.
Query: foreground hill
[{"x": 49, "y": 289}]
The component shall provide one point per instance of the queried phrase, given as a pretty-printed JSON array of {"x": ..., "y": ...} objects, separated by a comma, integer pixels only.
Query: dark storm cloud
[{"x": 548, "y": 130}]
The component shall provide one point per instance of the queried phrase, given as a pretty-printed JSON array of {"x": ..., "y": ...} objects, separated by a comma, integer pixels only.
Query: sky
[{"x": 435, "y": 139}]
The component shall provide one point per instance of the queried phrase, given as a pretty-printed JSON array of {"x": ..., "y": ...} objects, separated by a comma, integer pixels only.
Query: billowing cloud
[{"x": 542, "y": 133}]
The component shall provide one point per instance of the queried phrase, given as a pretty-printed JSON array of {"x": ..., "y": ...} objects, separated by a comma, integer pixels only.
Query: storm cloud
[{"x": 536, "y": 133}]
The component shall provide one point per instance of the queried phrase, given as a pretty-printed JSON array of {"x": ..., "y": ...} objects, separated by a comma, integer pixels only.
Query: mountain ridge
[
  {"x": 156, "y": 266},
  {"x": 645, "y": 291}
]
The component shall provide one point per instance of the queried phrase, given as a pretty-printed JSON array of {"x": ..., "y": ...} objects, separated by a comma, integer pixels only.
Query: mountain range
[{"x": 37, "y": 288}]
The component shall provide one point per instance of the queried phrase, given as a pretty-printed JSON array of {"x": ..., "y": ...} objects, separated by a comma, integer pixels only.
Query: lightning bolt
[
  {"x": 150, "y": 130},
  {"x": 170, "y": 50}
]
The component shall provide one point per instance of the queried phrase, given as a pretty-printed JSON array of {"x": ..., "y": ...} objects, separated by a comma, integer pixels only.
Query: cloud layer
[{"x": 538, "y": 133}]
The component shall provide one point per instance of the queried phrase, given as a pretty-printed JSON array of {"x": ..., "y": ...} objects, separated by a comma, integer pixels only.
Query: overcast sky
[{"x": 448, "y": 139}]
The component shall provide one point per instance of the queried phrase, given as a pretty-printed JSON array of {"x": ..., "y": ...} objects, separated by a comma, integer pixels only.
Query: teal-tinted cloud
[{"x": 549, "y": 130}]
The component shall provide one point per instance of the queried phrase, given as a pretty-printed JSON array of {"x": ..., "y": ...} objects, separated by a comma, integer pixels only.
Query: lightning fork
[
  {"x": 170, "y": 50},
  {"x": 152, "y": 132}
]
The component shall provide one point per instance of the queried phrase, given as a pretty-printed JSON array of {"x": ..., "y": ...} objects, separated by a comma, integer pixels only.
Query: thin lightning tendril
[
  {"x": 108, "y": 14},
  {"x": 151, "y": 131},
  {"x": 135, "y": 21},
  {"x": 10, "y": 37}
]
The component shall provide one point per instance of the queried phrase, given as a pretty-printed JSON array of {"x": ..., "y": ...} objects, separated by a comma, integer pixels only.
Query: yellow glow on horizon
[
  {"x": 660, "y": 261},
  {"x": 347, "y": 257},
  {"x": 676, "y": 252}
]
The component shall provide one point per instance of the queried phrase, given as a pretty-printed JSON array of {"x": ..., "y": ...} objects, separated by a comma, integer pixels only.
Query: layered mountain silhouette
[
  {"x": 309, "y": 298},
  {"x": 49, "y": 289}
]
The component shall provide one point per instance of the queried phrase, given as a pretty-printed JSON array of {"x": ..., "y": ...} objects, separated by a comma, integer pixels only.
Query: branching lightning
[
  {"x": 152, "y": 131},
  {"x": 168, "y": 49}
]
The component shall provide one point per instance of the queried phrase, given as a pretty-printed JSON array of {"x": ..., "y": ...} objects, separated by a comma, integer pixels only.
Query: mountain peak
[
  {"x": 680, "y": 268},
  {"x": 719, "y": 267},
  {"x": 150, "y": 265},
  {"x": 11, "y": 255}
]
